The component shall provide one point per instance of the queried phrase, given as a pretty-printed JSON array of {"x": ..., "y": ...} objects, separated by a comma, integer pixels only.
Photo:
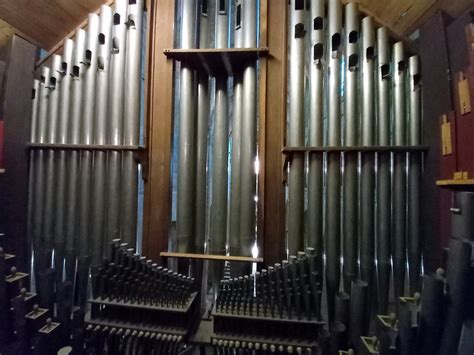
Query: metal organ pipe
[
  {"x": 414, "y": 177},
  {"x": 248, "y": 134},
  {"x": 351, "y": 139},
  {"x": 295, "y": 136},
  {"x": 77, "y": 79},
  {"x": 384, "y": 188},
  {"x": 131, "y": 120},
  {"x": 399, "y": 175},
  {"x": 201, "y": 137},
  {"x": 115, "y": 118},
  {"x": 235, "y": 191},
  {"x": 103, "y": 119},
  {"x": 316, "y": 135},
  {"x": 218, "y": 218},
  {"x": 367, "y": 198},
  {"x": 187, "y": 133},
  {"x": 333, "y": 215}
]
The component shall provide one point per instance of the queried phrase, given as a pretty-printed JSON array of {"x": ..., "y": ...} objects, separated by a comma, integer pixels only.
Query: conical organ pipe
[
  {"x": 218, "y": 218},
  {"x": 187, "y": 132},
  {"x": 40, "y": 258},
  {"x": 103, "y": 120},
  {"x": 201, "y": 144},
  {"x": 333, "y": 215},
  {"x": 49, "y": 174},
  {"x": 77, "y": 79},
  {"x": 384, "y": 197},
  {"x": 399, "y": 175},
  {"x": 414, "y": 177},
  {"x": 112, "y": 54},
  {"x": 234, "y": 204},
  {"x": 131, "y": 120},
  {"x": 351, "y": 129},
  {"x": 367, "y": 198},
  {"x": 295, "y": 136},
  {"x": 316, "y": 135},
  {"x": 61, "y": 156},
  {"x": 249, "y": 127}
]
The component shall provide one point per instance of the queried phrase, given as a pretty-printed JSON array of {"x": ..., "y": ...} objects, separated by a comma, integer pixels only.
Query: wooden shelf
[
  {"x": 455, "y": 182},
  {"x": 217, "y": 62},
  {"x": 395, "y": 149},
  {"x": 211, "y": 257},
  {"x": 38, "y": 146}
]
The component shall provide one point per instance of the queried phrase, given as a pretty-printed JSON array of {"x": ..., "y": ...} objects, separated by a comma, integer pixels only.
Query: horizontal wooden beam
[{"x": 245, "y": 259}]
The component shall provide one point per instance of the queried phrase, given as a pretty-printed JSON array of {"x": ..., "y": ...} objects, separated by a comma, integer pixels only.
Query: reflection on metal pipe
[
  {"x": 77, "y": 79},
  {"x": 399, "y": 175},
  {"x": 249, "y": 129},
  {"x": 333, "y": 215},
  {"x": 384, "y": 197},
  {"x": 103, "y": 115},
  {"x": 414, "y": 177},
  {"x": 234, "y": 204},
  {"x": 316, "y": 136},
  {"x": 187, "y": 133},
  {"x": 201, "y": 137},
  {"x": 295, "y": 132},
  {"x": 351, "y": 138},
  {"x": 367, "y": 199},
  {"x": 131, "y": 123}
]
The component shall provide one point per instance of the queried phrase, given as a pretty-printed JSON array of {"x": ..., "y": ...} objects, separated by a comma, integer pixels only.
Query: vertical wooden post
[
  {"x": 273, "y": 120},
  {"x": 159, "y": 125}
]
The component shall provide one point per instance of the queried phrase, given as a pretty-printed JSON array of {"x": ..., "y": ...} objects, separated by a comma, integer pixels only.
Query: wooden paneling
[
  {"x": 46, "y": 21},
  {"x": 159, "y": 124},
  {"x": 275, "y": 113},
  {"x": 6, "y": 33}
]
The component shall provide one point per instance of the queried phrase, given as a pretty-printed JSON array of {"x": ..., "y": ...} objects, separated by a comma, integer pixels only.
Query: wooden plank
[
  {"x": 159, "y": 124},
  {"x": 57, "y": 48},
  {"x": 455, "y": 182},
  {"x": 262, "y": 115},
  {"x": 275, "y": 107},
  {"x": 46, "y": 21},
  {"x": 210, "y": 257}
]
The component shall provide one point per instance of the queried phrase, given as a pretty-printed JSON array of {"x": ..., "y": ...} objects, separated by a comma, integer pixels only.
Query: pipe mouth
[
  {"x": 299, "y": 5},
  {"x": 115, "y": 45},
  {"x": 353, "y": 36},
  {"x": 335, "y": 42},
  {"x": 101, "y": 38},
  {"x": 64, "y": 68},
  {"x": 52, "y": 82},
  {"x": 300, "y": 31},
  {"x": 75, "y": 71},
  {"x": 222, "y": 7},
  {"x": 204, "y": 7},
  {"x": 401, "y": 65},
  {"x": 116, "y": 19},
  {"x": 318, "y": 23},
  {"x": 238, "y": 16},
  {"x": 385, "y": 71},
  {"x": 353, "y": 62},
  {"x": 131, "y": 21},
  {"x": 370, "y": 53},
  {"x": 417, "y": 80},
  {"x": 33, "y": 94},
  {"x": 88, "y": 57}
]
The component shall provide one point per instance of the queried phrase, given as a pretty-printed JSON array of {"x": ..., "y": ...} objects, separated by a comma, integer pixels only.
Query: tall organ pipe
[
  {"x": 351, "y": 113},
  {"x": 131, "y": 121},
  {"x": 295, "y": 134},
  {"x": 399, "y": 175},
  {"x": 101, "y": 118},
  {"x": 218, "y": 219},
  {"x": 316, "y": 135},
  {"x": 187, "y": 133},
  {"x": 367, "y": 198},
  {"x": 40, "y": 259},
  {"x": 201, "y": 137},
  {"x": 234, "y": 205},
  {"x": 77, "y": 79},
  {"x": 112, "y": 54},
  {"x": 414, "y": 177},
  {"x": 333, "y": 215},
  {"x": 384, "y": 197},
  {"x": 61, "y": 158},
  {"x": 248, "y": 134},
  {"x": 49, "y": 174},
  {"x": 86, "y": 137}
]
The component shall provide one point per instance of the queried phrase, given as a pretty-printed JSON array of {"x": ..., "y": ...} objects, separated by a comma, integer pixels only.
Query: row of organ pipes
[
  {"x": 79, "y": 198},
  {"x": 229, "y": 227},
  {"x": 361, "y": 212}
]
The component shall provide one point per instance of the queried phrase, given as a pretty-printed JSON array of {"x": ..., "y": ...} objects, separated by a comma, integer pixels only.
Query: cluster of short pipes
[
  {"x": 232, "y": 200},
  {"x": 80, "y": 198},
  {"x": 357, "y": 156}
]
